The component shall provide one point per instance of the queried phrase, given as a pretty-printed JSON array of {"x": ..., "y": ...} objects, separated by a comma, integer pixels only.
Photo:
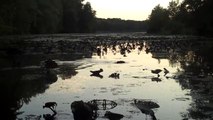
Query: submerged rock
[
  {"x": 156, "y": 71},
  {"x": 96, "y": 72},
  {"x": 82, "y": 111},
  {"x": 156, "y": 79},
  {"x": 49, "y": 116},
  {"x": 146, "y": 103},
  {"x": 113, "y": 116},
  {"x": 165, "y": 71},
  {"x": 50, "y": 64},
  {"x": 120, "y": 62},
  {"x": 114, "y": 75}
]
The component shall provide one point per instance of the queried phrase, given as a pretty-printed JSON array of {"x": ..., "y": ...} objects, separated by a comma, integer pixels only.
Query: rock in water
[
  {"x": 81, "y": 111},
  {"x": 113, "y": 116}
]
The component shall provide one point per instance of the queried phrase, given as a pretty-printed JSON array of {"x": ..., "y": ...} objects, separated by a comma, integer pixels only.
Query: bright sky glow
[{"x": 126, "y": 9}]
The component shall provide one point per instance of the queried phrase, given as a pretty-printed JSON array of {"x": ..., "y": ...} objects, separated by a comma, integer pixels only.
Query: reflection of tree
[
  {"x": 18, "y": 86},
  {"x": 196, "y": 61},
  {"x": 123, "y": 47},
  {"x": 197, "y": 77},
  {"x": 67, "y": 72},
  {"x": 173, "y": 59}
]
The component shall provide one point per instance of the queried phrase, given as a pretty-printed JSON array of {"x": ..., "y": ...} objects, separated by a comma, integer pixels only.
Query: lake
[{"x": 183, "y": 87}]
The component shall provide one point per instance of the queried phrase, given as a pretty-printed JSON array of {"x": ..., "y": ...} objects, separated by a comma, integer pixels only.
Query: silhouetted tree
[
  {"x": 71, "y": 15},
  {"x": 7, "y": 13},
  {"x": 49, "y": 17},
  {"x": 189, "y": 17},
  {"x": 87, "y": 19},
  {"x": 174, "y": 26},
  {"x": 158, "y": 19},
  {"x": 45, "y": 16},
  {"x": 173, "y": 9}
]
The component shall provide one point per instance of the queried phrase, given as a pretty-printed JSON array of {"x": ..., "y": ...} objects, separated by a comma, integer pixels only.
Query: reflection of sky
[
  {"x": 126, "y": 9},
  {"x": 134, "y": 82}
]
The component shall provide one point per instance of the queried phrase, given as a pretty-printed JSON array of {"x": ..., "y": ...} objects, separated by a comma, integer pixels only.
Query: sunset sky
[{"x": 126, "y": 9}]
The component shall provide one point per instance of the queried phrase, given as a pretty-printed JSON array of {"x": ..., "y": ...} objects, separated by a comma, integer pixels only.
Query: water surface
[{"x": 27, "y": 88}]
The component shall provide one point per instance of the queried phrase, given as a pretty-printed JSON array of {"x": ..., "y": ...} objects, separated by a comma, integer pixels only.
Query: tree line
[
  {"x": 58, "y": 16},
  {"x": 189, "y": 17},
  {"x": 119, "y": 25},
  {"x": 75, "y": 16},
  {"x": 45, "y": 16}
]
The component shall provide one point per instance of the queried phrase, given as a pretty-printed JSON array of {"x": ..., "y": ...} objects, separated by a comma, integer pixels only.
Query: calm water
[{"x": 26, "y": 88}]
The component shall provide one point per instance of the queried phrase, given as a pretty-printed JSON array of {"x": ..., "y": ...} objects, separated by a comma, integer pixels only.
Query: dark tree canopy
[
  {"x": 72, "y": 16},
  {"x": 45, "y": 16},
  {"x": 189, "y": 17},
  {"x": 87, "y": 19},
  {"x": 158, "y": 18}
]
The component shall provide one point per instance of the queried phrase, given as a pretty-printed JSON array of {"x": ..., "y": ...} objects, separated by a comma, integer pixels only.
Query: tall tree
[
  {"x": 7, "y": 15},
  {"x": 174, "y": 26},
  {"x": 199, "y": 16},
  {"x": 71, "y": 15},
  {"x": 190, "y": 17},
  {"x": 173, "y": 9},
  {"x": 158, "y": 19},
  {"x": 45, "y": 16},
  {"x": 25, "y": 15},
  {"x": 87, "y": 19},
  {"x": 49, "y": 14}
]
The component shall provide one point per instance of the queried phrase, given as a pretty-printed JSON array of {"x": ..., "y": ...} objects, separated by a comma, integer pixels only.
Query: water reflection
[
  {"x": 17, "y": 87},
  {"x": 156, "y": 79},
  {"x": 189, "y": 63},
  {"x": 67, "y": 72},
  {"x": 89, "y": 110}
]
